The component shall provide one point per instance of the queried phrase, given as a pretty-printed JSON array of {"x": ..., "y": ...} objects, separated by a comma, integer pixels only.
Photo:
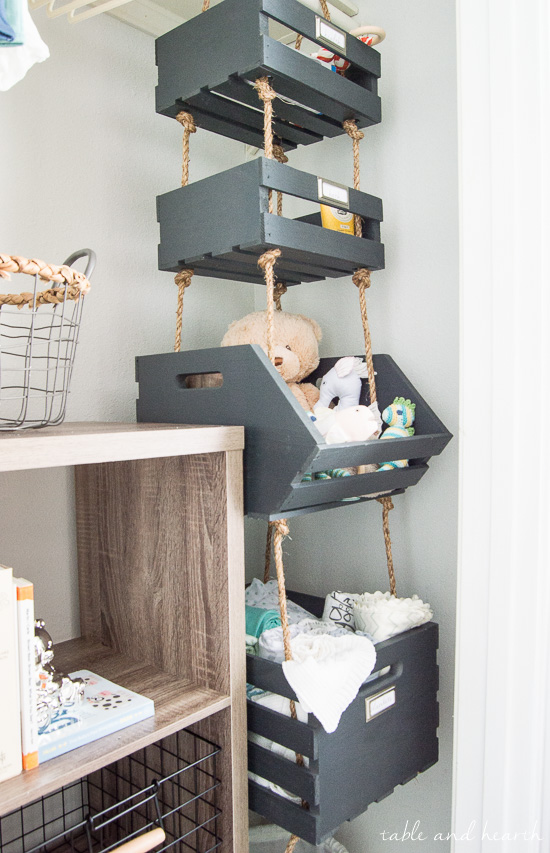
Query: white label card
[
  {"x": 379, "y": 702},
  {"x": 330, "y": 34},
  {"x": 328, "y": 191}
]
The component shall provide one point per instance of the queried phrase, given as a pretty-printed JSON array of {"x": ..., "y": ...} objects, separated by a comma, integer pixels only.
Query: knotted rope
[
  {"x": 326, "y": 13},
  {"x": 266, "y": 262},
  {"x": 74, "y": 283},
  {"x": 183, "y": 278},
  {"x": 267, "y": 94},
  {"x": 280, "y": 530},
  {"x": 279, "y": 155},
  {"x": 387, "y": 505},
  {"x": 356, "y": 136}
]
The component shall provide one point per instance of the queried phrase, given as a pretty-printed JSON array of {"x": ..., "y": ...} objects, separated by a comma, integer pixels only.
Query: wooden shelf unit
[{"x": 161, "y": 574}]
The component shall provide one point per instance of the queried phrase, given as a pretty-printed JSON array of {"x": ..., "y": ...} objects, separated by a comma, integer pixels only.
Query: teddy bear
[{"x": 296, "y": 349}]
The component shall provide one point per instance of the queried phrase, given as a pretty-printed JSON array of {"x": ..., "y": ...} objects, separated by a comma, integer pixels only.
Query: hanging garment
[
  {"x": 15, "y": 61},
  {"x": 7, "y": 33}
]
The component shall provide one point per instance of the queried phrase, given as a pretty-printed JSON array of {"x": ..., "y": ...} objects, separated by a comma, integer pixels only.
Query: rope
[
  {"x": 189, "y": 127},
  {"x": 356, "y": 136},
  {"x": 280, "y": 290},
  {"x": 183, "y": 280},
  {"x": 387, "y": 505},
  {"x": 268, "y": 544},
  {"x": 205, "y": 5},
  {"x": 267, "y": 262},
  {"x": 361, "y": 279},
  {"x": 298, "y": 42},
  {"x": 279, "y": 155},
  {"x": 267, "y": 95},
  {"x": 48, "y": 272}
]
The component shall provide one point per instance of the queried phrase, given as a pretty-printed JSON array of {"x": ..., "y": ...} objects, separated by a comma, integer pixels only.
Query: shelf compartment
[
  {"x": 172, "y": 784},
  {"x": 178, "y": 703},
  {"x": 221, "y": 225},
  {"x": 281, "y": 442},
  {"x": 207, "y": 65},
  {"x": 362, "y": 761}
]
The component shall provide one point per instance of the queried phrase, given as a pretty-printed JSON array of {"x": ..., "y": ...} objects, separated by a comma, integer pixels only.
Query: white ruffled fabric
[
  {"x": 271, "y": 645},
  {"x": 383, "y": 615},
  {"x": 326, "y": 673}
]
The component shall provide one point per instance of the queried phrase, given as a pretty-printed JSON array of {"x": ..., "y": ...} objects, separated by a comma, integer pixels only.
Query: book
[
  {"x": 105, "y": 708},
  {"x": 10, "y": 720},
  {"x": 27, "y": 671}
]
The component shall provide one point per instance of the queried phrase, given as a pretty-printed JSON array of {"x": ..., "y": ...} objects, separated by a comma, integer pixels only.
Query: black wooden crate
[
  {"x": 207, "y": 65},
  {"x": 281, "y": 443},
  {"x": 362, "y": 761},
  {"x": 221, "y": 225}
]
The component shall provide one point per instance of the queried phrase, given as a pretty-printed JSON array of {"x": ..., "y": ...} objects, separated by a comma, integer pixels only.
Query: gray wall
[{"x": 91, "y": 179}]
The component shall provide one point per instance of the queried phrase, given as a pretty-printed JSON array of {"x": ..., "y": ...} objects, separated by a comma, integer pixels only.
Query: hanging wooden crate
[
  {"x": 208, "y": 65},
  {"x": 281, "y": 442},
  {"x": 221, "y": 225},
  {"x": 385, "y": 737}
]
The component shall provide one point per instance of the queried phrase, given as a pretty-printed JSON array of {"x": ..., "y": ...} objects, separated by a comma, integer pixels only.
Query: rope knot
[
  {"x": 279, "y": 154},
  {"x": 268, "y": 258},
  {"x": 183, "y": 278},
  {"x": 361, "y": 278},
  {"x": 264, "y": 89},
  {"x": 350, "y": 127},
  {"x": 187, "y": 120},
  {"x": 282, "y": 527},
  {"x": 387, "y": 503}
]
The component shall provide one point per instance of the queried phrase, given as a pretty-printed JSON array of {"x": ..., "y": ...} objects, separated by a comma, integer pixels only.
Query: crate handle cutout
[{"x": 199, "y": 381}]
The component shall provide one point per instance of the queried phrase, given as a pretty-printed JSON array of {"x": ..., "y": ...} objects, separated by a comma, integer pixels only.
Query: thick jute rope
[
  {"x": 361, "y": 278},
  {"x": 267, "y": 94},
  {"x": 280, "y": 290},
  {"x": 74, "y": 283},
  {"x": 356, "y": 136},
  {"x": 326, "y": 13},
  {"x": 387, "y": 505},
  {"x": 266, "y": 262},
  {"x": 279, "y": 155},
  {"x": 183, "y": 278}
]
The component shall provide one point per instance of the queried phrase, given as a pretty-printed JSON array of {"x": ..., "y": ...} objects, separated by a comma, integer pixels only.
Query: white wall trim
[{"x": 503, "y": 629}]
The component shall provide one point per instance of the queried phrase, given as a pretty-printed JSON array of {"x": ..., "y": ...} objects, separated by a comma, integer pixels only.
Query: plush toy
[
  {"x": 400, "y": 418},
  {"x": 356, "y": 423},
  {"x": 343, "y": 381},
  {"x": 296, "y": 348}
]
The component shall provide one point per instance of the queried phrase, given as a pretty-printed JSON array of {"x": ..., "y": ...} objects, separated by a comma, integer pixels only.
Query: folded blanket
[
  {"x": 266, "y": 595},
  {"x": 326, "y": 673},
  {"x": 282, "y": 705},
  {"x": 259, "y": 620}
]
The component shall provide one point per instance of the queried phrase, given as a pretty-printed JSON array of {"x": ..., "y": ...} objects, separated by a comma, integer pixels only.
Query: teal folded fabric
[
  {"x": 12, "y": 13},
  {"x": 7, "y": 33},
  {"x": 259, "y": 620}
]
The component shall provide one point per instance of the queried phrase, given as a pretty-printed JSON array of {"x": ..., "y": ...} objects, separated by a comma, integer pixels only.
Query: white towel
[
  {"x": 326, "y": 673},
  {"x": 384, "y": 615},
  {"x": 15, "y": 61}
]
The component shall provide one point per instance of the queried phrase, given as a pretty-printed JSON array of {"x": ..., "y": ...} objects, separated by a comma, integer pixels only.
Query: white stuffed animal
[{"x": 342, "y": 381}]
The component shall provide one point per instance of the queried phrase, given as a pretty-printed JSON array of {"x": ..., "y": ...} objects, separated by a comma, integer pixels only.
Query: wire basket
[
  {"x": 169, "y": 789},
  {"x": 38, "y": 338}
]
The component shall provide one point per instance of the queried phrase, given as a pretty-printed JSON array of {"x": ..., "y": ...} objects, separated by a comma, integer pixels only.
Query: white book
[
  {"x": 27, "y": 672},
  {"x": 10, "y": 720}
]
